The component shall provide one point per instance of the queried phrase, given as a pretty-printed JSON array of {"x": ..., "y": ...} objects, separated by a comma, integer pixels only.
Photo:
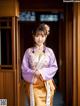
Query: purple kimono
[{"x": 45, "y": 63}]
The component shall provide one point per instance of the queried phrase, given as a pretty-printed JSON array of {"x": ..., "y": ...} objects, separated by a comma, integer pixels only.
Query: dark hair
[{"x": 41, "y": 27}]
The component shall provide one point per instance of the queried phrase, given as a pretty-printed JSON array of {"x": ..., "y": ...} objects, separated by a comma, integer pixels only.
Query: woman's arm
[
  {"x": 50, "y": 71},
  {"x": 27, "y": 73}
]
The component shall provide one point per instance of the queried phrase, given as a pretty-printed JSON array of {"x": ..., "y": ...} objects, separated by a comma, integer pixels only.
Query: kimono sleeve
[
  {"x": 27, "y": 72},
  {"x": 49, "y": 72}
]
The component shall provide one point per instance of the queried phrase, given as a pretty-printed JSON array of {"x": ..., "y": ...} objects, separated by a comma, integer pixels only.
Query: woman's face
[{"x": 39, "y": 38}]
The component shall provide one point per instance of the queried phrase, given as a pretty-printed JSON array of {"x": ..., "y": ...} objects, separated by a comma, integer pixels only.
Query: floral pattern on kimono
[{"x": 47, "y": 64}]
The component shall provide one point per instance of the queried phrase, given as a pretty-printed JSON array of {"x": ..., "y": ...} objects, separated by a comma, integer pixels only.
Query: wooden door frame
[
  {"x": 66, "y": 56},
  {"x": 76, "y": 55},
  {"x": 18, "y": 64},
  {"x": 68, "y": 61},
  {"x": 69, "y": 55},
  {"x": 75, "y": 98}
]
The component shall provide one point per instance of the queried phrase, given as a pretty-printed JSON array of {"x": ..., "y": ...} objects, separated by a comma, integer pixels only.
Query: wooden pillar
[
  {"x": 78, "y": 53},
  {"x": 75, "y": 98},
  {"x": 69, "y": 59}
]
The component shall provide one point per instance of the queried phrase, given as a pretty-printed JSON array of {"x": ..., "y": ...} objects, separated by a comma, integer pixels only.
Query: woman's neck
[{"x": 40, "y": 47}]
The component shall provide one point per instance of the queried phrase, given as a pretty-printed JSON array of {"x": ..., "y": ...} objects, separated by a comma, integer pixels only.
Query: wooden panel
[
  {"x": 8, "y": 78},
  {"x": 77, "y": 58},
  {"x": 9, "y": 87},
  {"x": 75, "y": 99},
  {"x": 69, "y": 58},
  {"x": 78, "y": 53},
  {"x": 1, "y": 84},
  {"x": 9, "y": 8}
]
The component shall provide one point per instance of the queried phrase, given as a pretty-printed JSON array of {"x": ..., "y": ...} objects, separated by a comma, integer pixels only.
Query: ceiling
[{"x": 41, "y": 5}]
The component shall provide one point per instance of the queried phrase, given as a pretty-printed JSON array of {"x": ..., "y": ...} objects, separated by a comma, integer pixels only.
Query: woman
[{"x": 38, "y": 69}]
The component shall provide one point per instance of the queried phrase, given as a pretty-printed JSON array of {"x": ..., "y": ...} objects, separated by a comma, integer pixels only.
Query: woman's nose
[{"x": 40, "y": 38}]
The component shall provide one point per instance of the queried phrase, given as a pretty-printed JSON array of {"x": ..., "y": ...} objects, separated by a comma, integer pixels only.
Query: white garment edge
[
  {"x": 31, "y": 95},
  {"x": 47, "y": 85}
]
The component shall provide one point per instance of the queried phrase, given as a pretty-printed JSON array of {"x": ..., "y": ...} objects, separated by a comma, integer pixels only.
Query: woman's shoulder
[
  {"x": 49, "y": 49},
  {"x": 28, "y": 50},
  {"x": 50, "y": 52}
]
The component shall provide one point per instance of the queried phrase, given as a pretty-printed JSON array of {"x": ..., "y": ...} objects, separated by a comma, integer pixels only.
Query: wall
[
  {"x": 8, "y": 86},
  {"x": 9, "y": 8}
]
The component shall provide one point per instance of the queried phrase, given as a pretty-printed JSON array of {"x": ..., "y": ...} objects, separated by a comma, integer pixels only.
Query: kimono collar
[{"x": 34, "y": 49}]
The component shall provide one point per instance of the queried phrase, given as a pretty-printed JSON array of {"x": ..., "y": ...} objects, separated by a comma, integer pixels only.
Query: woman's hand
[
  {"x": 41, "y": 78},
  {"x": 37, "y": 74},
  {"x": 38, "y": 77}
]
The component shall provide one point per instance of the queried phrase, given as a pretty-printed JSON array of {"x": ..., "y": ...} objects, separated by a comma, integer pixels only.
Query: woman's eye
[
  {"x": 42, "y": 35},
  {"x": 36, "y": 35}
]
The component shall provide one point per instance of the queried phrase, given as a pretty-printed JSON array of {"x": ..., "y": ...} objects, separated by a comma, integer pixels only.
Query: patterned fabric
[
  {"x": 45, "y": 63},
  {"x": 39, "y": 95}
]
